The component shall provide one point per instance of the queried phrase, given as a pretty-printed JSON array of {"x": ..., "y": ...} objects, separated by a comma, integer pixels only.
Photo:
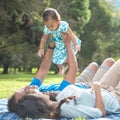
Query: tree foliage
[
  {"x": 96, "y": 22},
  {"x": 22, "y": 26},
  {"x": 98, "y": 33}
]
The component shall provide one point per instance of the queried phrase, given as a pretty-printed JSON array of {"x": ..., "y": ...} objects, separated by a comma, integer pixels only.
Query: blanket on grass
[{"x": 5, "y": 115}]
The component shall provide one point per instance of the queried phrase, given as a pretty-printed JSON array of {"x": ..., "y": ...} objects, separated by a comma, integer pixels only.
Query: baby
[{"x": 54, "y": 27}]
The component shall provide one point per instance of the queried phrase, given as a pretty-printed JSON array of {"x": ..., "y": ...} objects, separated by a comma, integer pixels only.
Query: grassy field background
[{"x": 11, "y": 82}]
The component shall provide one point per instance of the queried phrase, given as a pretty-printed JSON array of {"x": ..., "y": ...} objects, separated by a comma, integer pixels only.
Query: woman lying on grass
[{"x": 72, "y": 101}]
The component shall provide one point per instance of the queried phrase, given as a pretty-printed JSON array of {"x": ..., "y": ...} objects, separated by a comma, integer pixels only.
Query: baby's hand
[
  {"x": 41, "y": 52},
  {"x": 77, "y": 48}
]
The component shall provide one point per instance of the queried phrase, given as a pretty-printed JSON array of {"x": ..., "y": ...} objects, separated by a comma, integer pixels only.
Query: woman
[{"x": 73, "y": 101}]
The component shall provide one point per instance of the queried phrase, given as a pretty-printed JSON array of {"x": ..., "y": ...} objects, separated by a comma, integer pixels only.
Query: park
[{"x": 95, "y": 22}]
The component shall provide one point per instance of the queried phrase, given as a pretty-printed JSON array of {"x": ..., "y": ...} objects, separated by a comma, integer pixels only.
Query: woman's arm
[{"x": 99, "y": 100}]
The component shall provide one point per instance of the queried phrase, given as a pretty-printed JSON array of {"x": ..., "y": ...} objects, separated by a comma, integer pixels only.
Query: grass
[{"x": 11, "y": 82}]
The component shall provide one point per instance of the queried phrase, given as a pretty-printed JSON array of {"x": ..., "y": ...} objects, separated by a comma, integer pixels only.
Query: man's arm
[
  {"x": 44, "y": 67},
  {"x": 46, "y": 62}
]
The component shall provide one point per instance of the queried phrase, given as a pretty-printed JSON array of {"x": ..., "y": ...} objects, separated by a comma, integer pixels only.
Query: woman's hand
[{"x": 96, "y": 86}]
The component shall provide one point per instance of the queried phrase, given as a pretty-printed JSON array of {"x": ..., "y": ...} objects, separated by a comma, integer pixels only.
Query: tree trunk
[{"x": 5, "y": 68}]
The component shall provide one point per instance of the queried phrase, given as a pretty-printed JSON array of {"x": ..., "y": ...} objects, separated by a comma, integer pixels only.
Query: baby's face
[{"x": 52, "y": 25}]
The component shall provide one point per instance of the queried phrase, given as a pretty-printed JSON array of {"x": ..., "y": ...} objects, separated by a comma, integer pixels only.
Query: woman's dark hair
[
  {"x": 12, "y": 104},
  {"x": 33, "y": 107},
  {"x": 56, "y": 112},
  {"x": 50, "y": 13}
]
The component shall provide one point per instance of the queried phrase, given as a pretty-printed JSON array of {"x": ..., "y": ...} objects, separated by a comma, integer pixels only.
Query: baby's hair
[{"x": 50, "y": 13}]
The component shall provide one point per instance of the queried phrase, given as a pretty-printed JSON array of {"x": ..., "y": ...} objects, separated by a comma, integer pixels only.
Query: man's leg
[
  {"x": 107, "y": 63},
  {"x": 111, "y": 79},
  {"x": 44, "y": 67},
  {"x": 91, "y": 74},
  {"x": 112, "y": 76},
  {"x": 88, "y": 73}
]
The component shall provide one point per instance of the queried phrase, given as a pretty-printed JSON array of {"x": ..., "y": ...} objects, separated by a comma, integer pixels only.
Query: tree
[
  {"x": 114, "y": 48},
  {"x": 75, "y": 12},
  {"x": 96, "y": 36},
  {"x": 19, "y": 23}
]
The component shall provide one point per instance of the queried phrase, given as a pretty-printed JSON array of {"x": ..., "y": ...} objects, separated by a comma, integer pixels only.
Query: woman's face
[
  {"x": 26, "y": 90},
  {"x": 31, "y": 90}
]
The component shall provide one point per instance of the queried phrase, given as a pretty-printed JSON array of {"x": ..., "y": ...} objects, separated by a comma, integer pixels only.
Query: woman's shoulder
[
  {"x": 70, "y": 90},
  {"x": 67, "y": 91}
]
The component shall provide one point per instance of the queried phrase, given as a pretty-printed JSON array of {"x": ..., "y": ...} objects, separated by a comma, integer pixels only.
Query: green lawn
[{"x": 11, "y": 82}]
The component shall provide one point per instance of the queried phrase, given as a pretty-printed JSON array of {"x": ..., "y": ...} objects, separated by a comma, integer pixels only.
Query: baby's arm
[
  {"x": 42, "y": 44},
  {"x": 72, "y": 37}
]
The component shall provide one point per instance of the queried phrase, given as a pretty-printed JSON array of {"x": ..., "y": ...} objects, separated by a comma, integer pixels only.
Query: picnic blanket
[{"x": 5, "y": 115}]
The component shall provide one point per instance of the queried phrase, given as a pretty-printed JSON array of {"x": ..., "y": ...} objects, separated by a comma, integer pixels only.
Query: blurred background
[{"x": 95, "y": 22}]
